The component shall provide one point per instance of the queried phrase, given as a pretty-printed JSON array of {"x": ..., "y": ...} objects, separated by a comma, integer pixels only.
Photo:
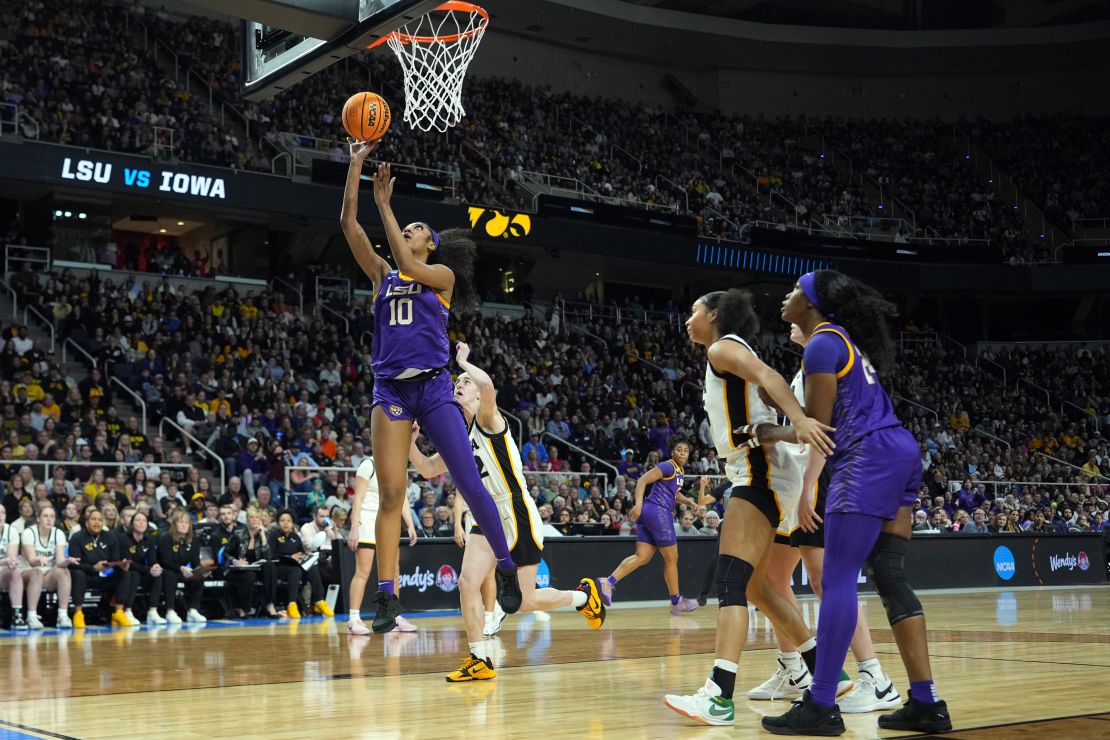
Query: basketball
[{"x": 366, "y": 116}]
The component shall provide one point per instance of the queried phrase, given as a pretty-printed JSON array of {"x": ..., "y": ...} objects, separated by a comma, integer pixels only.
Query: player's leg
[
  {"x": 679, "y": 604},
  {"x": 390, "y": 440},
  {"x": 494, "y": 615},
  {"x": 791, "y": 677},
  {"x": 13, "y": 584},
  {"x": 478, "y": 562},
  {"x": 873, "y": 689},
  {"x": 33, "y": 582},
  {"x": 645, "y": 551},
  {"x": 446, "y": 428},
  {"x": 364, "y": 561},
  {"x": 403, "y": 625},
  {"x": 742, "y": 544},
  {"x": 886, "y": 564}
]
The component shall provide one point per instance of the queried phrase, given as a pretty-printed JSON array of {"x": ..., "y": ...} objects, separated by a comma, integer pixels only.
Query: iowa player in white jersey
[
  {"x": 364, "y": 516},
  {"x": 765, "y": 482},
  {"x": 499, "y": 464}
]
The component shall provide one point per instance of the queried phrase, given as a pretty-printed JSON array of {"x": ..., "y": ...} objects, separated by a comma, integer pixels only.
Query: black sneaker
[
  {"x": 919, "y": 716},
  {"x": 806, "y": 717},
  {"x": 18, "y": 621},
  {"x": 703, "y": 600},
  {"x": 389, "y": 608},
  {"x": 508, "y": 590}
]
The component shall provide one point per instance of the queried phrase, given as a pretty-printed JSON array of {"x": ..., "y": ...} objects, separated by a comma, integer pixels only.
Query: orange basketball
[{"x": 366, "y": 116}]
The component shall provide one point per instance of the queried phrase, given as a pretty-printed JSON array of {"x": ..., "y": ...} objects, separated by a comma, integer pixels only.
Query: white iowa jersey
[
  {"x": 370, "y": 498},
  {"x": 731, "y": 402},
  {"x": 498, "y": 460}
]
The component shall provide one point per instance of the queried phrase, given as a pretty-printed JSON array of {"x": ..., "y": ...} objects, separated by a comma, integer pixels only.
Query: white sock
[
  {"x": 353, "y": 615},
  {"x": 578, "y": 598},
  {"x": 478, "y": 650},
  {"x": 808, "y": 645},
  {"x": 32, "y": 612},
  {"x": 790, "y": 660},
  {"x": 871, "y": 665},
  {"x": 726, "y": 665},
  {"x": 489, "y": 616}
]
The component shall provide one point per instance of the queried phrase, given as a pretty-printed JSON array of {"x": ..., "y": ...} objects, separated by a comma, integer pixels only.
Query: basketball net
[{"x": 434, "y": 53}]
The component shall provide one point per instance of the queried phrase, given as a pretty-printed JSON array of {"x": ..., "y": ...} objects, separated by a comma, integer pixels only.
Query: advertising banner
[{"x": 430, "y": 570}]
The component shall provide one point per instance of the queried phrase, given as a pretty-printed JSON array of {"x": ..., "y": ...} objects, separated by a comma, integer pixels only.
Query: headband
[
  {"x": 809, "y": 287},
  {"x": 435, "y": 236}
]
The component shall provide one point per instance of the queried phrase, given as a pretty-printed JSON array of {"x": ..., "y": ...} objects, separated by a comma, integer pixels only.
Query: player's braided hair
[
  {"x": 735, "y": 312},
  {"x": 861, "y": 310},
  {"x": 458, "y": 251}
]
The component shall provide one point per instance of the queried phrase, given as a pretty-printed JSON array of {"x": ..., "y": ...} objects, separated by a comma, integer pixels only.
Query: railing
[
  {"x": 539, "y": 183},
  {"x": 38, "y": 257},
  {"x": 985, "y": 433},
  {"x": 341, "y": 317},
  {"x": 1047, "y": 398},
  {"x": 292, "y": 288},
  {"x": 346, "y": 474},
  {"x": 519, "y": 425},
  {"x": 49, "y": 465},
  {"x": 1000, "y": 367},
  {"x": 137, "y": 398},
  {"x": 44, "y": 321},
  {"x": 579, "y": 450},
  {"x": 613, "y": 148},
  {"x": 476, "y": 150},
  {"x": 80, "y": 350},
  {"x": 676, "y": 186},
  {"x": 1085, "y": 412},
  {"x": 9, "y": 118},
  {"x": 15, "y": 297},
  {"x": 281, "y": 157},
  {"x": 953, "y": 340},
  {"x": 1070, "y": 465},
  {"x": 198, "y": 444},
  {"x": 903, "y": 399}
]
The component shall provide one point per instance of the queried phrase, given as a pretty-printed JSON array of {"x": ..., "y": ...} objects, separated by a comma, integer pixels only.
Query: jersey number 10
[{"x": 400, "y": 312}]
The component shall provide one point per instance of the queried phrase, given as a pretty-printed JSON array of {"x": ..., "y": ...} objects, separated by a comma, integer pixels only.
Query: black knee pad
[
  {"x": 886, "y": 566},
  {"x": 733, "y": 575}
]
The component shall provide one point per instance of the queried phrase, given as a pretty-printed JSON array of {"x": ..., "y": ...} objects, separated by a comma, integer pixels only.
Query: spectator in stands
[
  {"x": 684, "y": 527},
  {"x": 317, "y": 536},
  {"x": 712, "y": 523},
  {"x": 977, "y": 524}
]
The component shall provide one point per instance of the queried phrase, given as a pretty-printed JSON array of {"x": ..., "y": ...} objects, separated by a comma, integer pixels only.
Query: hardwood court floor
[{"x": 1032, "y": 663}]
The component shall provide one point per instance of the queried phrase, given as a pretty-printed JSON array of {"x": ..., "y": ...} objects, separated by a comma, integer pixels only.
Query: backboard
[{"x": 285, "y": 41}]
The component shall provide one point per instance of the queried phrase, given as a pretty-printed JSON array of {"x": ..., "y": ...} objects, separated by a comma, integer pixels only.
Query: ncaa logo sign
[
  {"x": 446, "y": 578},
  {"x": 1004, "y": 564},
  {"x": 543, "y": 575}
]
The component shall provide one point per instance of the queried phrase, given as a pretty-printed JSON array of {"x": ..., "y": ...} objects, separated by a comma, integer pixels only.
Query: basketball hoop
[{"x": 434, "y": 53}]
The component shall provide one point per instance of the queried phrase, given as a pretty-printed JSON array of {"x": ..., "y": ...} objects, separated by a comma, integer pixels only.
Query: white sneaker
[
  {"x": 153, "y": 617},
  {"x": 487, "y": 626},
  {"x": 499, "y": 617},
  {"x": 870, "y": 695},
  {"x": 195, "y": 617},
  {"x": 705, "y": 706},
  {"x": 129, "y": 616},
  {"x": 784, "y": 684},
  {"x": 64, "y": 622},
  {"x": 34, "y": 621},
  {"x": 172, "y": 617}
]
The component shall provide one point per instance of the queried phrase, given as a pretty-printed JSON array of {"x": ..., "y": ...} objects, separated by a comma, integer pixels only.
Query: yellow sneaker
[
  {"x": 118, "y": 619},
  {"x": 322, "y": 607},
  {"x": 593, "y": 610},
  {"x": 293, "y": 611},
  {"x": 78, "y": 619},
  {"x": 472, "y": 669}
]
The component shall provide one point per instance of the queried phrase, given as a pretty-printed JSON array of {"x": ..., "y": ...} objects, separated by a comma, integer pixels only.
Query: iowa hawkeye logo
[{"x": 498, "y": 224}]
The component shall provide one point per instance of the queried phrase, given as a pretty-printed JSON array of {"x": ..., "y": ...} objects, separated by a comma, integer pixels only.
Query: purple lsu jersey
[
  {"x": 410, "y": 329},
  {"x": 862, "y": 406},
  {"x": 662, "y": 493}
]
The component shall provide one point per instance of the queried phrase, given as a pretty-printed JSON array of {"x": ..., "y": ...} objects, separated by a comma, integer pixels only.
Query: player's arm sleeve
[
  {"x": 666, "y": 469},
  {"x": 825, "y": 353}
]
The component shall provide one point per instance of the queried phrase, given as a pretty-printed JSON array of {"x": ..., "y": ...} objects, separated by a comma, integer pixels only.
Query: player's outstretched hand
[
  {"x": 352, "y": 539},
  {"x": 634, "y": 513},
  {"x": 383, "y": 185},
  {"x": 807, "y": 517},
  {"x": 462, "y": 352},
  {"x": 415, "y": 432},
  {"x": 812, "y": 432},
  {"x": 360, "y": 150}
]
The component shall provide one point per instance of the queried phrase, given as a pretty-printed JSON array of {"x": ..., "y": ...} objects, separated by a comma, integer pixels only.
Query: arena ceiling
[{"x": 895, "y": 14}]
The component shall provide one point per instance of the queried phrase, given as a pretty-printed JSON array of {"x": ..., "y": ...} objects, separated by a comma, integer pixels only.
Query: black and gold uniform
[
  {"x": 285, "y": 546},
  {"x": 143, "y": 554},
  {"x": 173, "y": 555},
  {"x": 90, "y": 549},
  {"x": 498, "y": 460},
  {"x": 256, "y": 548}
]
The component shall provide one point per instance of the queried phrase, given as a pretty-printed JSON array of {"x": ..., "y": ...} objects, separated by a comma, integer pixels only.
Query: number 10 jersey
[{"x": 410, "y": 329}]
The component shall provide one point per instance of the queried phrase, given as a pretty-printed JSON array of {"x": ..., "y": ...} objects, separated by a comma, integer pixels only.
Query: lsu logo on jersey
[
  {"x": 405, "y": 289},
  {"x": 395, "y": 409}
]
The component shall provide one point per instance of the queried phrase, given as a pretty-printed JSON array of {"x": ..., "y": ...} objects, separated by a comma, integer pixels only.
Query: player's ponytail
[
  {"x": 457, "y": 250},
  {"x": 735, "y": 313},
  {"x": 861, "y": 310}
]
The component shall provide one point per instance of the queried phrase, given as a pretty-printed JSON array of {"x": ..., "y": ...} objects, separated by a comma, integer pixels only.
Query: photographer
[{"x": 317, "y": 536}]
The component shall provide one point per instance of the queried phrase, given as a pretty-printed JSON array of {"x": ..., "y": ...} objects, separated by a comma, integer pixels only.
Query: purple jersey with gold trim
[
  {"x": 862, "y": 406},
  {"x": 663, "y": 491},
  {"x": 410, "y": 329}
]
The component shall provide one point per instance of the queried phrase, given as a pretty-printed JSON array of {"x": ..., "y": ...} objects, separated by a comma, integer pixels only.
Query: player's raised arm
[
  {"x": 437, "y": 277},
  {"x": 489, "y": 418},
  {"x": 374, "y": 266}
]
